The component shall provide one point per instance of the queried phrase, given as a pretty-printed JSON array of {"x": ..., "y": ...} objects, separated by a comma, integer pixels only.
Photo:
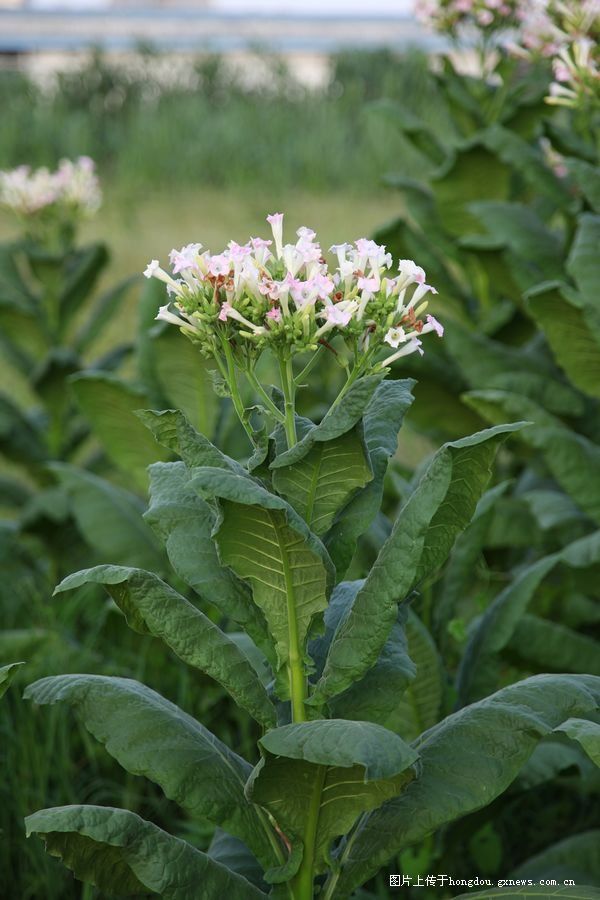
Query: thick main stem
[
  {"x": 289, "y": 391},
  {"x": 302, "y": 885}
]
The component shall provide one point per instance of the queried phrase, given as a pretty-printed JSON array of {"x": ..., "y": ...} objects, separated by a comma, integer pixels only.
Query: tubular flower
[
  {"x": 455, "y": 17},
  {"x": 72, "y": 190},
  {"x": 286, "y": 298}
]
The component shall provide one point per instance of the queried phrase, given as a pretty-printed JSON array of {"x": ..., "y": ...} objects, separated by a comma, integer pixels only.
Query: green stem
[
  {"x": 276, "y": 413},
  {"x": 289, "y": 392},
  {"x": 235, "y": 394},
  {"x": 302, "y": 885},
  {"x": 308, "y": 367}
]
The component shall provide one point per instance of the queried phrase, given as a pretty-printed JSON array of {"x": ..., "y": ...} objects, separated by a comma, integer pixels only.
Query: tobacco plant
[{"x": 320, "y": 663}]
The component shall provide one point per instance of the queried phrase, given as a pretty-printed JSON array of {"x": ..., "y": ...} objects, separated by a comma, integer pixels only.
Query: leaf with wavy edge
[
  {"x": 573, "y": 459},
  {"x": 171, "y": 429},
  {"x": 466, "y": 761},
  {"x": 440, "y": 508},
  {"x": 7, "y": 673},
  {"x": 152, "y": 607},
  {"x": 150, "y": 736},
  {"x": 322, "y": 482},
  {"x": 265, "y": 542},
  {"x": 382, "y": 421},
  {"x": 331, "y": 770},
  {"x": 339, "y": 420},
  {"x": 185, "y": 522},
  {"x": 120, "y": 853},
  {"x": 587, "y": 734}
]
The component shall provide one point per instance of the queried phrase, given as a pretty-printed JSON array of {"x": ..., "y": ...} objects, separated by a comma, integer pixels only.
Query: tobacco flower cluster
[
  {"x": 66, "y": 195},
  {"x": 567, "y": 33},
  {"x": 453, "y": 17},
  {"x": 285, "y": 297}
]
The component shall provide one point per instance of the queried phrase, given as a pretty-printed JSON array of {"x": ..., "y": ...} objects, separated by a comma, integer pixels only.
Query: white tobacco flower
[
  {"x": 395, "y": 337},
  {"x": 275, "y": 220},
  {"x": 414, "y": 345}
]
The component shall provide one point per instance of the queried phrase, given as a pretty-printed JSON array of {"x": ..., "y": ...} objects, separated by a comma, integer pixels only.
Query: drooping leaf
[
  {"x": 440, "y": 508},
  {"x": 585, "y": 733},
  {"x": 327, "y": 773},
  {"x": 377, "y": 696},
  {"x": 492, "y": 364},
  {"x": 82, "y": 275},
  {"x": 102, "y": 312},
  {"x": 150, "y": 736},
  {"x": 573, "y": 459},
  {"x": 110, "y": 519},
  {"x": 266, "y": 543},
  {"x": 153, "y": 607},
  {"x": 122, "y": 854},
  {"x": 171, "y": 429},
  {"x": 494, "y": 630},
  {"x": 183, "y": 376},
  {"x": 419, "y": 707},
  {"x": 108, "y": 404},
  {"x": 573, "y": 344},
  {"x": 339, "y": 420},
  {"x": 583, "y": 264},
  {"x": 553, "y": 647},
  {"x": 381, "y": 423},
  {"x": 7, "y": 673},
  {"x": 321, "y": 483},
  {"x": 459, "y": 570},
  {"x": 234, "y": 855},
  {"x": 466, "y": 761},
  {"x": 184, "y": 522}
]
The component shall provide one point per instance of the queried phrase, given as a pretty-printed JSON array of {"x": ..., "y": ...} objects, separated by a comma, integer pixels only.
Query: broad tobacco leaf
[
  {"x": 150, "y": 736},
  {"x": 124, "y": 855},
  {"x": 184, "y": 522},
  {"x": 7, "y": 673},
  {"x": 265, "y": 542},
  {"x": 153, "y": 607},
  {"x": 466, "y": 761},
  {"x": 440, "y": 508},
  {"x": 381, "y": 423},
  {"x": 316, "y": 778}
]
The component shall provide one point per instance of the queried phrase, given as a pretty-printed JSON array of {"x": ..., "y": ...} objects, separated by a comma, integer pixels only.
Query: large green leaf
[
  {"x": 83, "y": 271},
  {"x": 110, "y": 519},
  {"x": 150, "y": 736},
  {"x": 183, "y": 376},
  {"x": 473, "y": 174},
  {"x": 478, "y": 669},
  {"x": 153, "y": 607},
  {"x": 492, "y": 364},
  {"x": 466, "y": 761},
  {"x": 381, "y": 423},
  {"x": 339, "y": 419},
  {"x": 585, "y": 733},
  {"x": 573, "y": 459},
  {"x": 122, "y": 854},
  {"x": 266, "y": 543},
  {"x": 102, "y": 312},
  {"x": 573, "y": 344},
  {"x": 376, "y": 697},
  {"x": 184, "y": 522},
  {"x": 440, "y": 508},
  {"x": 322, "y": 482},
  {"x": 418, "y": 708},
  {"x": 458, "y": 576},
  {"x": 553, "y": 647},
  {"x": 316, "y": 778},
  {"x": 171, "y": 429},
  {"x": 583, "y": 264},
  {"x": 108, "y": 404}
]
